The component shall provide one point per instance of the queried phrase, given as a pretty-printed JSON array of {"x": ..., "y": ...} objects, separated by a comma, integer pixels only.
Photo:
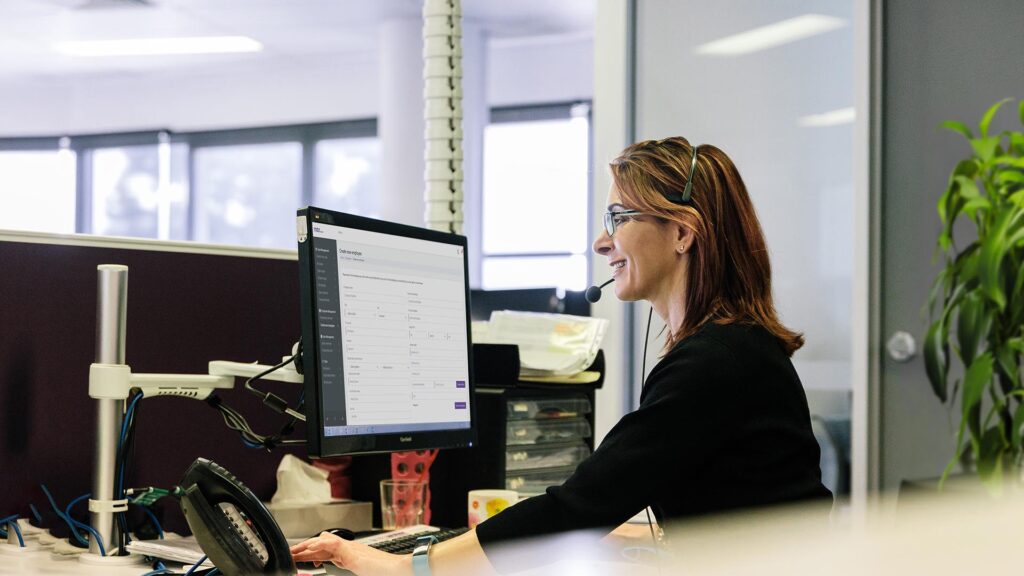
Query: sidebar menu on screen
[{"x": 328, "y": 310}]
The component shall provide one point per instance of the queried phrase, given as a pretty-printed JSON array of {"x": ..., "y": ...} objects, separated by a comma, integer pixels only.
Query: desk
[{"x": 43, "y": 562}]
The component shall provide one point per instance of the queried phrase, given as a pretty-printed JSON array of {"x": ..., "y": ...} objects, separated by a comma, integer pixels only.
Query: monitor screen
[{"x": 386, "y": 335}]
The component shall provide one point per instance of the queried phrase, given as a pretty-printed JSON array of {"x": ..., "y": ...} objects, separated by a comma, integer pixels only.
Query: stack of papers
[
  {"x": 552, "y": 347},
  {"x": 185, "y": 550}
]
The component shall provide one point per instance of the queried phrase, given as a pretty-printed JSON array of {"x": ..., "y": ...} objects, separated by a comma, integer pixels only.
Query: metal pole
[{"x": 111, "y": 312}]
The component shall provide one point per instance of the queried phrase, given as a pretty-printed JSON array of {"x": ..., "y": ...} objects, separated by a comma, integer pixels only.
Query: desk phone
[{"x": 232, "y": 526}]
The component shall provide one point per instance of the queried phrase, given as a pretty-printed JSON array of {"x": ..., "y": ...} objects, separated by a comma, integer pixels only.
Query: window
[
  {"x": 536, "y": 198},
  {"x": 238, "y": 187},
  {"x": 242, "y": 192},
  {"x": 348, "y": 175},
  {"x": 140, "y": 191},
  {"x": 37, "y": 190}
]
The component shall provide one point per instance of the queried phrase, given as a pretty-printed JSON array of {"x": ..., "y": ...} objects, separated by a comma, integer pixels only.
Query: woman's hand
[{"x": 358, "y": 558}]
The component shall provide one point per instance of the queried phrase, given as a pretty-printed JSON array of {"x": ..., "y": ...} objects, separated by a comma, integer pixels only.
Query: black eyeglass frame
[{"x": 610, "y": 222}]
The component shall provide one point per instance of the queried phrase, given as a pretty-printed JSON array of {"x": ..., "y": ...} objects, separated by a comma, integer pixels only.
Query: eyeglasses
[{"x": 618, "y": 218}]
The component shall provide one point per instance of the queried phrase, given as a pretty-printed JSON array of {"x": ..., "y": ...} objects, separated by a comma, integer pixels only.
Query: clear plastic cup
[{"x": 401, "y": 503}]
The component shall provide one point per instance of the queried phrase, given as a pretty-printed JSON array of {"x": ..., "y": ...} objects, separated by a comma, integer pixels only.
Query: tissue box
[{"x": 302, "y": 520}]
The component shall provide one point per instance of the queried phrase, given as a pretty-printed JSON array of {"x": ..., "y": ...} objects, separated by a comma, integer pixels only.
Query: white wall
[{"x": 540, "y": 70}]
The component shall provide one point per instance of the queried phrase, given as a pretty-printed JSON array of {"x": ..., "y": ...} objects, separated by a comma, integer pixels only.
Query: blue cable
[
  {"x": 119, "y": 487},
  {"x": 196, "y": 565},
  {"x": 72, "y": 524},
  {"x": 152, "y": 517},
  {"x": 17, "y": 530},
  {"x": 95, "y": 534},
  {"x": 119, "y": 490},
  {"x": 213, "y": 572},
  {"x": 67, "y": 510},
  {"x": 35, "y": 512},
  {"x": 63, "y": 516},
  {"x": 158, "y": 572},
  {"x": 67, "y": 513},
  {"x": 4, "y": 521}
]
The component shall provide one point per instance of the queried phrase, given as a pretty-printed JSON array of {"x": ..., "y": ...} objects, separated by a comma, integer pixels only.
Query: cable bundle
[
  {"x": 235, "y": 421},
  {"x": 442, "y": 94}
]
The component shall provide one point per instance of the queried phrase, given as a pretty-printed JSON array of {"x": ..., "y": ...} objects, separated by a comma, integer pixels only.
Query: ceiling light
[
  {"x": 159, "y": 46},
  {"x": 832, "y": 118},
  {"x": 772, "y": 35}
]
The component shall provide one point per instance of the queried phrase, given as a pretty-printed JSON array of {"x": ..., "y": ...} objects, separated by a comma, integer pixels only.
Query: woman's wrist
[{"x": 404, "y": 565}]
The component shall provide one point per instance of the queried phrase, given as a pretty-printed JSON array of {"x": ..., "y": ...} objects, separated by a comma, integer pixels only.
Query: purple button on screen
[
  {"x": 460, "y": 405},
  {"x": 460, "y": 383}
]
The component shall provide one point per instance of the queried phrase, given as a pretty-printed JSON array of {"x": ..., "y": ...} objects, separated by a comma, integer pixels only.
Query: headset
[
  {"x": 593, "y": 293},
  {"x": 684, "y": 197}
]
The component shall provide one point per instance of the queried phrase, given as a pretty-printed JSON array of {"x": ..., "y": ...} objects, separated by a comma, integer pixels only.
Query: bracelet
[{"x": 421, "y": 555}]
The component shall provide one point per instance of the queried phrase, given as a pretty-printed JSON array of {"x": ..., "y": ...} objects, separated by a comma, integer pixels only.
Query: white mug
[{"x": 486, "y": 503}]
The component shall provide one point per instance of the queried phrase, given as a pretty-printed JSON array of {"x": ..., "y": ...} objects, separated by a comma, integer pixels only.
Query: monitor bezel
[{"x": 319, "y": 445}]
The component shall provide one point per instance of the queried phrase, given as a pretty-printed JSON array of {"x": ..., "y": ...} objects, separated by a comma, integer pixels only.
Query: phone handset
[{"x": 234, "y": 529}]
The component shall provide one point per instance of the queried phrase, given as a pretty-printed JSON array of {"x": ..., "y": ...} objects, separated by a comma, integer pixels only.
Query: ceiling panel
[{"x": 291, "y": 29}]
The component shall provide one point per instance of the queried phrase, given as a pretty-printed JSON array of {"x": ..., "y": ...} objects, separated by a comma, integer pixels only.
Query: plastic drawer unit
[
  {"x": 548, "y": 408},
  {"x": 549, "y": 431},
  {"x": 532, "y": 482},
  {"x": 541, "y": 456}
]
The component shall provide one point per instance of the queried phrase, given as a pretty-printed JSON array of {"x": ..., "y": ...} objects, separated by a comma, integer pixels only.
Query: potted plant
[{"x": 976, "y": 306}]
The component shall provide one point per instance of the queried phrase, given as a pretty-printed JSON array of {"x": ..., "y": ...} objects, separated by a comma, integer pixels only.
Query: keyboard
[{"x": 403, "y": 540}]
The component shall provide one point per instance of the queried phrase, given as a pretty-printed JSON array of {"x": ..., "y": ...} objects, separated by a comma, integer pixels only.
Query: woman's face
[{"x": 643, "y": 254}]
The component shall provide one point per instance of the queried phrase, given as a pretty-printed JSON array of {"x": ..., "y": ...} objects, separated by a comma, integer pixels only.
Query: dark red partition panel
[{"x": 184, "y": 309}]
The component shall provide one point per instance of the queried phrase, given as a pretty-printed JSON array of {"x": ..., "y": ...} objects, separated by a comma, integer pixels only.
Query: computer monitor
[{"x": 386, "y": 336}]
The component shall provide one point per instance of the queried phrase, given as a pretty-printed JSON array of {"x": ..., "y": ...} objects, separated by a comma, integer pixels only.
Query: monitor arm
[
  {"x": 110, "y": 383},
  {"x": 115, "y": 381}
]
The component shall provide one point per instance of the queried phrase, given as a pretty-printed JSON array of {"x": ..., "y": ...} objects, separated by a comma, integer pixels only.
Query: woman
[{"x": 723, "y": 420}]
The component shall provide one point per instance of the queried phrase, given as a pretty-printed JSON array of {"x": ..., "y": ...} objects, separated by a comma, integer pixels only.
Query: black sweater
[{"x": 722, "y": 424}]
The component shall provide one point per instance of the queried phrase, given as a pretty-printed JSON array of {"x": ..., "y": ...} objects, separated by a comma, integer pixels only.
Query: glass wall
[{"x": 773, "y": 85}]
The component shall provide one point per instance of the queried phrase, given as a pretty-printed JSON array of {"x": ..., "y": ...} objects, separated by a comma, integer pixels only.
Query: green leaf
[
  {"x": 939, "y": 285},
  {"x": 972, "y": 325},
  {"x": 1017, "y": 198},
  {"x": 990, "y": 459},
  {"x": 993, "y": 249},
  {"x": 1018, "y": 285},
  {"x": 1016, "y": 344},
  {"x": 962, "y": 263},
  {"x": 1017, "y": 141},
  {"x": 943, "y": 205},
  {"x": 968, "y": 188},
  {"x": 974, "y": 204},
  {"x": 951, "y": 304},
  {"x": 978, "y": 377},
  {"x": 1008, "y": 362},
  {"x": 989, "y": 114},
  {"x": 1021, "y": 110},
  {"x": 1008, "y": 176},
  {"x": 935, "y": 359},
  {"x": 985, "y": 148},
  {"x": 1015, "y": 430},
  {"x": 958, "y": 127}
]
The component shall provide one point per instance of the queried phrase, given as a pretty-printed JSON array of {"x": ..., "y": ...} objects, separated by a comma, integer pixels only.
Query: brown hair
[{"x": 729, "y": 278}]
